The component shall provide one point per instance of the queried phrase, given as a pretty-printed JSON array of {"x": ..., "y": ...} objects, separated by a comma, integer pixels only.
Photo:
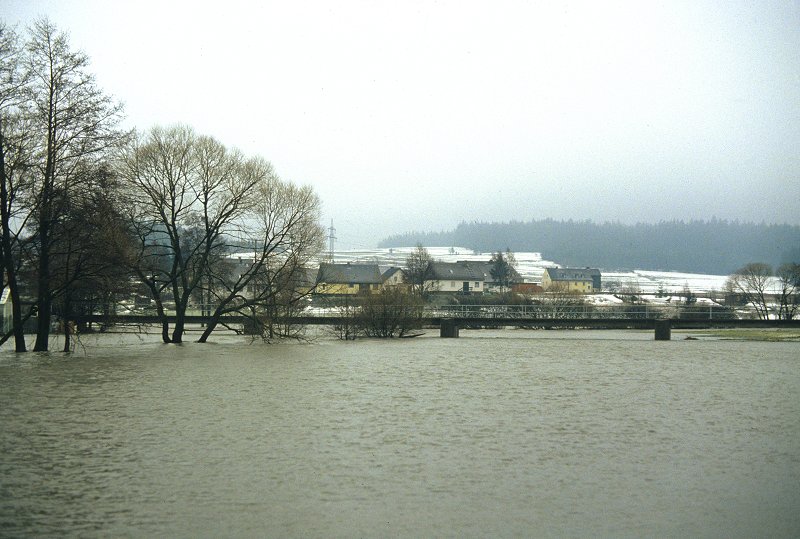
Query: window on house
[{"x": 477, "y": 284}]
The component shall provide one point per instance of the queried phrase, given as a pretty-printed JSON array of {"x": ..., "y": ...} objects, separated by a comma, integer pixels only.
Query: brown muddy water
[{"x": 495, "y": 434}]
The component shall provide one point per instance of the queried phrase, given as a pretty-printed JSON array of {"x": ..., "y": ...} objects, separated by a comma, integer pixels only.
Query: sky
[{"x": 416, "y": 116}]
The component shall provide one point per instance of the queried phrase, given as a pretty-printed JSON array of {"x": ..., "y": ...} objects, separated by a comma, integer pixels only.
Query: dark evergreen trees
[{"x": 715, "y": 246}]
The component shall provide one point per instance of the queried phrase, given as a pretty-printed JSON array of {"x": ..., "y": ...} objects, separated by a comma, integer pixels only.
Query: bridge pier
[
  {"x": 448, "y": 329},
  {"x": 663, "y": 329}
]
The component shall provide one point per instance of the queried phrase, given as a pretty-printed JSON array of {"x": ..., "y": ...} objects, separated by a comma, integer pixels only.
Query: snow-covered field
[
  {"x": 651, "y": 282},
  {"x": 531, "y": 266}
]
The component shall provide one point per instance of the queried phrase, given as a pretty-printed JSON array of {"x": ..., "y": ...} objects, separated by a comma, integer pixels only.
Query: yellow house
[
  {"x": 348, "y": 279},
  {"x": 578, "y": 280}
]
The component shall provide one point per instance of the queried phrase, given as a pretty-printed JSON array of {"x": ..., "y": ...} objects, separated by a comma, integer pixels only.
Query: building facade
[
  {"x": 348, "y": 279},
  {"x": 449, "y": 277},
  {"x": 576, "y": 280}
]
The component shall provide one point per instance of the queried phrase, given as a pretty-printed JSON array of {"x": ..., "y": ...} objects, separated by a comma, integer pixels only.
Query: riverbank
[
  {"x": 737, "y": 334},
  {"x": 140, "y": 335}
]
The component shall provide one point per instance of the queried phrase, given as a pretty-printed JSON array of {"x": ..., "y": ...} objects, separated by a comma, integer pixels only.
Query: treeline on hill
[{"x": 715, "y": 247}]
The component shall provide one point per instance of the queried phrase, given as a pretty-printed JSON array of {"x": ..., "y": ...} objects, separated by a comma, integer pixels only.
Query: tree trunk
[
  {"x": 44, "y": 300},
  {"x": 164, "y": 321},
  {"x": 180, "y": 320},
  {"x": 65, "y": 321},
  {"x": 10, "y": 334},
  {"x": 44, "y": 304},
  {"x": 13, "y": 289},
  {"x": 210, "y": 326},
  {"x": 8, "y": 256}
]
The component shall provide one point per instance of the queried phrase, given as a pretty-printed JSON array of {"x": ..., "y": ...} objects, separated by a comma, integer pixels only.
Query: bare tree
[
  {"x": 187, "y": 195},
  {"x": 15, "y": 162},
  {"x": 417, "y": 269},
  {"x": 156, "y": 171},
  {"x": 389, "y": 313},
  {"x": 789, "y": 279},
  {"x": 347, "y": 328},
  {"x": 73, "y": 121},
  {"x": 751, "y": 283},
  {"x": 88, "y": 247},
  {"x": 282, "y": 223},
  {"x": 560, "y": 302},
  {"x": 53, "y": 119}
]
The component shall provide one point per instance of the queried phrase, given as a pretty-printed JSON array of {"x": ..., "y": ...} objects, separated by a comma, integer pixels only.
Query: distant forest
[{"x": 715, "y": 247}]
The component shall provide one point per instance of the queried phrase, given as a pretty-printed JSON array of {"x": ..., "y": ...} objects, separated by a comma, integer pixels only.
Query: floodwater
[{"x": 495, "y": 434}]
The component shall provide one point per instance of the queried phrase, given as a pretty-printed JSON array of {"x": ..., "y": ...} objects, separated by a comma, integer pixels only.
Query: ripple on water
[{"x": 493, "y": 434}]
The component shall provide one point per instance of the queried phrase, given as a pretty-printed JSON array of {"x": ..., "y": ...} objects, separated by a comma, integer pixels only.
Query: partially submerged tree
[
  {"x": 789, "y": 280},
  {"x": 558, "y": 301},
  {"x": 751, "y": 283},
  {"x": 15, "y": 162},
  {"x": 389, "y": 313},
  {"x": 88, "y": 248},
  {"x": 53, "y": 121},
  {"x": 191, "y": 202},
  {"x": 186, "y": 194},
  {"x": 74, "y": 121},
  {"x": 346, "y": 328},
  {"x": 282, "y": 224}
]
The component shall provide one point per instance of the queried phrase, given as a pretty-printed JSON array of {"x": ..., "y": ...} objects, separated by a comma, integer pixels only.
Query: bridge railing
[
  {"x": 549, "y": 311},
  {"x": 542, "y": 311}
]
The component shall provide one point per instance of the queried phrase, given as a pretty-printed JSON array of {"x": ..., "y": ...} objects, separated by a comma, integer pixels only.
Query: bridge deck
[{"x": 487, "y": 321}]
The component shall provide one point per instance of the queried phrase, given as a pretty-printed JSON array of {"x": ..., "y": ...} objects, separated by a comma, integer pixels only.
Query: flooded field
[{"x": 495, "y": 434}]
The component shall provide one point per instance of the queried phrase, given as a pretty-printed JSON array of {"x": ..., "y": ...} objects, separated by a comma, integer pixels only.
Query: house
[
  {"x": 464, "y": 277},
  {"x": 580, "y": 280},
  {"x": 305, "y": 281},
  {"x": 348, "y": 279},
  {"x": 394, "y": 277},
  {"x": 273, "y": 272},
  {"x": 490, "y": 282}
]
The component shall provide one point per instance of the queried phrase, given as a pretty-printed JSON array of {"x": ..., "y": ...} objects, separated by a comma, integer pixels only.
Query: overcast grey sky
[{"x": 419, "y": 115}]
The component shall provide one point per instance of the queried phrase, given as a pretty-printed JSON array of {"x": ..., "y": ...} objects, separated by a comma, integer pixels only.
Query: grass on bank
[{"x": 760, "y": 334}]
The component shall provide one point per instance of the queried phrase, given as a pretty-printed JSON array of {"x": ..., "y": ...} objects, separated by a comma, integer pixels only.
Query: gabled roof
[
  {"x": 307, "y": 276},
  {"x": 572, "y": 274},
  {"x": 486, "y": 269},
  {"x": 349, "y": 273},
  {"x": 390, "y": 272},
  {"x": 455, "y": 271}
]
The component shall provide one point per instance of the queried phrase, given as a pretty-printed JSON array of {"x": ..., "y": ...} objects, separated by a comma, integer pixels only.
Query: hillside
[{"x": 714, "y": 247}]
